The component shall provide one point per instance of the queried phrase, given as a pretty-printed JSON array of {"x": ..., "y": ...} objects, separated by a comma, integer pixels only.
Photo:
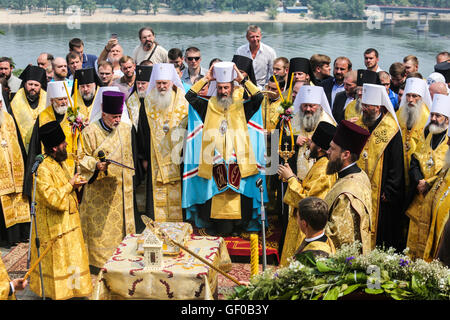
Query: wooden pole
[{"x": 149, "y": 223}]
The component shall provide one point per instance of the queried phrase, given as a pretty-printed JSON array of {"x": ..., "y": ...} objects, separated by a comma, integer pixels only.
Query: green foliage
[
  {"x": 136, "y": 5},
  {"x": 348, "y": 271}
]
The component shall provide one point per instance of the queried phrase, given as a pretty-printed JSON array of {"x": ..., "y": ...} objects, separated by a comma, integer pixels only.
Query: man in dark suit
[
  {"x": 335, "y": 84},
  {"x": 344, "y": 97}
]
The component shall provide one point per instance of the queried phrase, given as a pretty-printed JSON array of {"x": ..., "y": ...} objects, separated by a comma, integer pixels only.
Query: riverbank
[{"x": 107, "y": 15}]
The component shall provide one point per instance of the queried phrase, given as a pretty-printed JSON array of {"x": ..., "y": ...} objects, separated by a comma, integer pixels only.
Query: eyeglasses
[{"x": 193, "y": 58}]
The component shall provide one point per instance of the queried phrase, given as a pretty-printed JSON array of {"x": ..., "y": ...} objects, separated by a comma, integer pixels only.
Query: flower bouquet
[{"x": 379, "y": 272}]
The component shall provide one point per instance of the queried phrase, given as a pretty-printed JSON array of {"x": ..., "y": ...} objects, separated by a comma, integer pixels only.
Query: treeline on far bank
[{"x": 324, "y": 9}]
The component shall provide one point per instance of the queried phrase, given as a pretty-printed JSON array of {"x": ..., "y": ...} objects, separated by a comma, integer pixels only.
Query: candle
[
  {"x": 279, "y": 90},
  {"x": 254, "y": 254},
  {"x": 68, "y": 96},
  {"x": 75, "y": 94},
  {"x": 290, "y": 90}
]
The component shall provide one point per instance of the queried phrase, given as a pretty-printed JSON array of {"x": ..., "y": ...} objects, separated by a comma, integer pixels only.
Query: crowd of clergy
[{"x": 220, "y": 146}]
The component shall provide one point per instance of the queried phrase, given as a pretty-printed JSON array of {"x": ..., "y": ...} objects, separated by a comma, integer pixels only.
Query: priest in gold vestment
[
  {"x": 56, "y": 110},
  {"x": 349, "y": 200},
  {"x": 426, "y": 163},
  {"x": 136, "y": 98},
  {"x": 88, "y": 84},
  {"x": 353, "y": 110},
  {"x": 224, "y": 155},
  {"x": 107, "y": 208},
  {"x": 412, "y": 117},
  {"x": 14, "y": 206},
  {"x": 438, "y": 207},
  {"x": 317, "y": 183},
  {"x": 382, "y": 160},
  {"x": 65, "y": 267},
  {"x": 28, "y": 102},
  {"x": 310, "y": 107},
  {"x": 160, "y": 136}
]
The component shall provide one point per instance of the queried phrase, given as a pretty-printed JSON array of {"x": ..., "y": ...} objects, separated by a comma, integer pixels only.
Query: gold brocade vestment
[
  {"x": 411, "y": 137},
  {"x": 65, "y": 267},
  {"x": 350, "y": 206},
  {"x": 85, "y": 111},
  {"x": 25, "y": 115},
  {"x": 133, "y": 107},
  {"x": 14, "y": 205},
  {"x": 231, "y": 145},
  {"x": 316, "y": 184},
  {"x": 420, "y": 216},
  {"x": 304, "y": 163},
  {"x": 107, "y": 211},
  {"x": 371, "y": 161},
  {"x": 5, "y": 286},
  {"x": 166, "y": 176},
  {"x": 270, "y": 114},
  {"x": 350, "y": 111},
  {"x": 439, "y": 206}
]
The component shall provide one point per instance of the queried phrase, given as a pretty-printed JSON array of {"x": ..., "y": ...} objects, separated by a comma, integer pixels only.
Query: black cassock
[{"x": 392, "y": 222}]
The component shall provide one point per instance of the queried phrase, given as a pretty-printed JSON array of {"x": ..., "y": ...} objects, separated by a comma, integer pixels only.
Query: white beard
[
  {"x": 437, "y": 128},
  {"x": 309, "y": 122},
  {"x": 161, "y": 100},
  {"x": 411, "y": 114},
  {"x": 59, "y": 109}
]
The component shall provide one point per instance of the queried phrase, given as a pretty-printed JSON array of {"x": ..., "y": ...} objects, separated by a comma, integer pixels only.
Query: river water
[{"x": 24, "y": 43}]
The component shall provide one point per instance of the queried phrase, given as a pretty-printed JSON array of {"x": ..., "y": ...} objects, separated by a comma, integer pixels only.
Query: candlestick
[{"x": 254, "y": 254}]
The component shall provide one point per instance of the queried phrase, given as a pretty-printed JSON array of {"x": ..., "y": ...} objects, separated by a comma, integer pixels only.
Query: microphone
[
  {"x": 259, "y": 182},
  {"x": 102, "y": 158},
  {"x": 37, "y": 161}
]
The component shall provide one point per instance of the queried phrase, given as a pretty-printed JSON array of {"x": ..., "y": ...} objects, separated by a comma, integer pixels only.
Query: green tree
[
  {"x": 120, "y": 5},
  {"x": 136, "y": 5},
  {"x": 89, "y": 5},
  {"x": 155, "y": 6}
]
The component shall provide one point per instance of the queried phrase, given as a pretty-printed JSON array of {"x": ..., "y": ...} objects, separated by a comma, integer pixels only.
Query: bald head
[
  {"x": 438, "y": 88},
  {"x": 59, "y": 69}
]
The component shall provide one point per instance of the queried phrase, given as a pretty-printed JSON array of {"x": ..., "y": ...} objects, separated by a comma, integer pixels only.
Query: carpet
[
  {"x": 239, "y": 271},
  {"x": 239, "y": 247},
  {"x": 16, "y": 260}
]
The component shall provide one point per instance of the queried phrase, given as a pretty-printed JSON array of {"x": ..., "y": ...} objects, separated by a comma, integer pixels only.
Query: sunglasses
[{"x": 193, "y": 58}]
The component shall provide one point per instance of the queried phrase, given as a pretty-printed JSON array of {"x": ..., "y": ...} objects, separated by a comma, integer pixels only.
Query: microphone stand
[
  {"x": 33, "y": 222},
  {"x": 263, "y": 226}
]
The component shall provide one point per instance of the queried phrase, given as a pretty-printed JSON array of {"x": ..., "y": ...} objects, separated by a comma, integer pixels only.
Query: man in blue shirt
[
  {"x": 385, "y": 80},
  {"x": 76, "y": 45}
]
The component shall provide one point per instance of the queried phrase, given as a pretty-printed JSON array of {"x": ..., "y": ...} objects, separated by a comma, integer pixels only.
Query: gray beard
[
  {"x": 358, "y": 106},
  {"x": 309, "y": 122},
  {"x": 437, "y": 128},
  {"x": 88, "y": 97},
  {"x": 225, "y": 102},
  {"x": 161, "y": 100},
  {"x": 141, "y": 94},
  {"x": 411, "y": 114}
]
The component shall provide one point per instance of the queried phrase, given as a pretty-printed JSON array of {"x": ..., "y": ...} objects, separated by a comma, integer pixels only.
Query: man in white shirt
[
  {"x": 261, "y": 54},
  {"x": 149, "y": 49}
]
